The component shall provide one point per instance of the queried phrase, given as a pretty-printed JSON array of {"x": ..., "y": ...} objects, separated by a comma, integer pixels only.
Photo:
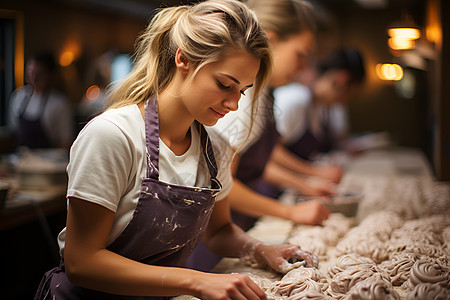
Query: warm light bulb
[
  {"x": 389, "y": 72},
  {"x": 401, "y": 43},
  {"x": 93, "y": 92},
  {"x": 66, "y": 58},
  {"x": 404, "y": 33}
]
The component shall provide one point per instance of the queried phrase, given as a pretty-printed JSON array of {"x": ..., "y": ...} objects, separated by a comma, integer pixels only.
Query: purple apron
[
  {"x": 31, "y": 133},
  {"x": 168, "y": 222},
  {"x": 309, "y": 144},
  {"x": 250, "y": 169},
  {"x": 305, "y": 147},
  {"x": 253, "y": 162}
]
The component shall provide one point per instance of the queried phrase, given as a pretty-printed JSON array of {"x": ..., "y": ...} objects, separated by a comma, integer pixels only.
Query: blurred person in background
[
  {"x": 312, "y": 118},
  {"x": 290, "y": 26},
  {"x": 40, "y": 115}
]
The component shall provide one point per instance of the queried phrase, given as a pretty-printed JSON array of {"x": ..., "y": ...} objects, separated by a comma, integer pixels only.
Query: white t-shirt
[
  {"x": 57, "y": 118},
  {"x": 236, "y": 125},
  {"x": 292, "y": 104},
  {"x": 108, "y": 162}
]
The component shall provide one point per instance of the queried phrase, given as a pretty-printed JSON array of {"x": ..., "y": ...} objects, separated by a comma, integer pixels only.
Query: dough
[
  {"x": 399, "y": 266},
  {"x": 374, "y": 287},
  {"x": 428, "y": 270},
  {"x": 427, "y": 291}
]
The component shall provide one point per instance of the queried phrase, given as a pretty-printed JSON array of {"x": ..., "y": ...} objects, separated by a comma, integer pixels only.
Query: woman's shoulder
[
  {"x": 124, "y": 121},
  {"x": 293, "y": 94}
]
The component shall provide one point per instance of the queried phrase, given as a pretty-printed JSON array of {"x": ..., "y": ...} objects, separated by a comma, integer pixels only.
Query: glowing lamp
[
  {"x": 403, "y": 34},
  {"x": 391, "y": 72},
  {"x": 93, "y": 92}
]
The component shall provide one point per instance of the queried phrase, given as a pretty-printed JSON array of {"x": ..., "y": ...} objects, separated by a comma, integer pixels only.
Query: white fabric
[
  {"x": 291, "y": 108},
  {"x": 292, "y": 104},
  {"x": 57, "y": 118},
  {"x": 108, "y": 162},
  {"x": 236, "y": 125}
]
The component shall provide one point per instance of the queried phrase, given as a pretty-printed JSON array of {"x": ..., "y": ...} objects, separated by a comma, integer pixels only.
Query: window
[{"x": 11, "y": 57}]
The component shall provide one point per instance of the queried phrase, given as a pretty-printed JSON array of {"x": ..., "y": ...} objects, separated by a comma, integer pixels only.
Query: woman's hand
[
  {"x": 318, "y": 187},
  {"x": 227, "y": 286},
  {"x": 309, "y": 213},
  {"x": 283, "y": 258},
  {"x": 332, "y": 173}
]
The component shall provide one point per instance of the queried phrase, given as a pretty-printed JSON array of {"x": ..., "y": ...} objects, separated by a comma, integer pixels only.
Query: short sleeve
[
  {"x": 290, "y": 108},
  {"x": 100, "y": 161}
]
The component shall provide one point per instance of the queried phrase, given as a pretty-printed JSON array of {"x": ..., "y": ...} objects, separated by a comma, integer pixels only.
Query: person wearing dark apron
[
  {"x": 312, "y": 117},
  {"x": 30, "y": 131},
  {"x": 305, "y": 147},
  {"x": 291, "y": 27},
  {"x": 253, "y": 161},
  {"x": 311, "y": 143},
  {"x": 151, "y": 243},
  {"x": 131, "y": 224}
]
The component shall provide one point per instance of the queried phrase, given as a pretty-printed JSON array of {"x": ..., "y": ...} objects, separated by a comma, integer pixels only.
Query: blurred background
[
  {"x": 406, "y": 94},
  {"x": 92, "y": 39}
]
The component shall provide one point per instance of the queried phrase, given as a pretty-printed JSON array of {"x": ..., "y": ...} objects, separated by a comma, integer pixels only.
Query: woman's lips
[{"x": 219, "y": 115}]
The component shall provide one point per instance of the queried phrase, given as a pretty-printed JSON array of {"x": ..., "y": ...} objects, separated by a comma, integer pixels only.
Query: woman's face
[
  {"x": 38, "y": 76},
  {"x": 290, "y": 56},
  {"x": 333, "y": 87},
  {"x": 217, "y": 87}
]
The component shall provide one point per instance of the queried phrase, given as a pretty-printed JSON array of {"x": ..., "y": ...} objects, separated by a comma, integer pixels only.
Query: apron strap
[
  {"x": 209, "y": 157},
  {"x": 152, "y": 139},
  {"x": 152, "y": 145},
  {"x": 44, "y": 101}
]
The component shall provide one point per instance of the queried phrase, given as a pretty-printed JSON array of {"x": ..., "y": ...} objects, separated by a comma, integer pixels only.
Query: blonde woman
[
  {"x": 291, "y": 26},
  {"x": 147, "y": 181}
]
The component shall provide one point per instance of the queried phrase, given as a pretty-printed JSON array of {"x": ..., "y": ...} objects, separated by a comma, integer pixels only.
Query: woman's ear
[
  {"x": 273, "y": 37},
  {"x": 181, "y": 62}
]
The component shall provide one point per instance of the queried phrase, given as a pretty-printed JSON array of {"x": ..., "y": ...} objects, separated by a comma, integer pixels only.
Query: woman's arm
[
  {"x": 89, "y": 264},
  {"x": 282, "y": 177},
  {"x": 294, "y": 163},
  {"x": 246, "y": 201}
]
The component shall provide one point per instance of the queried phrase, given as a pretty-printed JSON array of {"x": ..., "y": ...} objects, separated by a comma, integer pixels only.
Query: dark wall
[
  {"x": 379, "y": 106},
  {"x": 88, "y": 31}
]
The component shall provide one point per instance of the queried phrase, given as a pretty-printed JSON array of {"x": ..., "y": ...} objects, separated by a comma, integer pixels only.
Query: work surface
[{"x": 398, "y": 239}]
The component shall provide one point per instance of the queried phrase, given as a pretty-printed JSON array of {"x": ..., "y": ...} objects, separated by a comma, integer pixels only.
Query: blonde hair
[
  {"x": 284, "y": 17},
  {"x": 204, "y": 32}
]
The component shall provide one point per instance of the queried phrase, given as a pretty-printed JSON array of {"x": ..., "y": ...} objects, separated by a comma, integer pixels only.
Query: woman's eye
[{"x": 222, "y": 86}]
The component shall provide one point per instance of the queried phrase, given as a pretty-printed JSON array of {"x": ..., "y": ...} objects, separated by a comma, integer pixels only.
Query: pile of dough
[
  {"x": 299, "y": 283},
  {"x": 309, "y": 295},
  {"x": 348, "y": 270},
  {"x": 427, "y": 291},
  {"x": 318, "y": 239},
  {"x": 428, "y": 270},
  {"x": 370, "y": 236},
  {"x": 350, "y": 260},
  {"x": 399, "y": 266},
  {"x": 437, "y": 198},
  {"x": 404, "y": 196},
  {"x": 299, "y": 280},
  {"x": 374, "y": 287}
]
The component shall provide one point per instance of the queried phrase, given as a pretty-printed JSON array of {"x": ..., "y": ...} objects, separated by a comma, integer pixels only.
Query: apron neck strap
[
  {"x": 208, "y": 153},
  {"x": 152, "y": 139},
  {"x": 152, "y": 145}
]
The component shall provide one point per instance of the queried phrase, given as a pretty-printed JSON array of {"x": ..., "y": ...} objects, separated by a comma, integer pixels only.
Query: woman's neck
[{"x": 174, "y": 123}]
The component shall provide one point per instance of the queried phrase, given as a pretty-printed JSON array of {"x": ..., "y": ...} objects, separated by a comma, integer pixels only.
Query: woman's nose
[{"x": 232, "y": 102}]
